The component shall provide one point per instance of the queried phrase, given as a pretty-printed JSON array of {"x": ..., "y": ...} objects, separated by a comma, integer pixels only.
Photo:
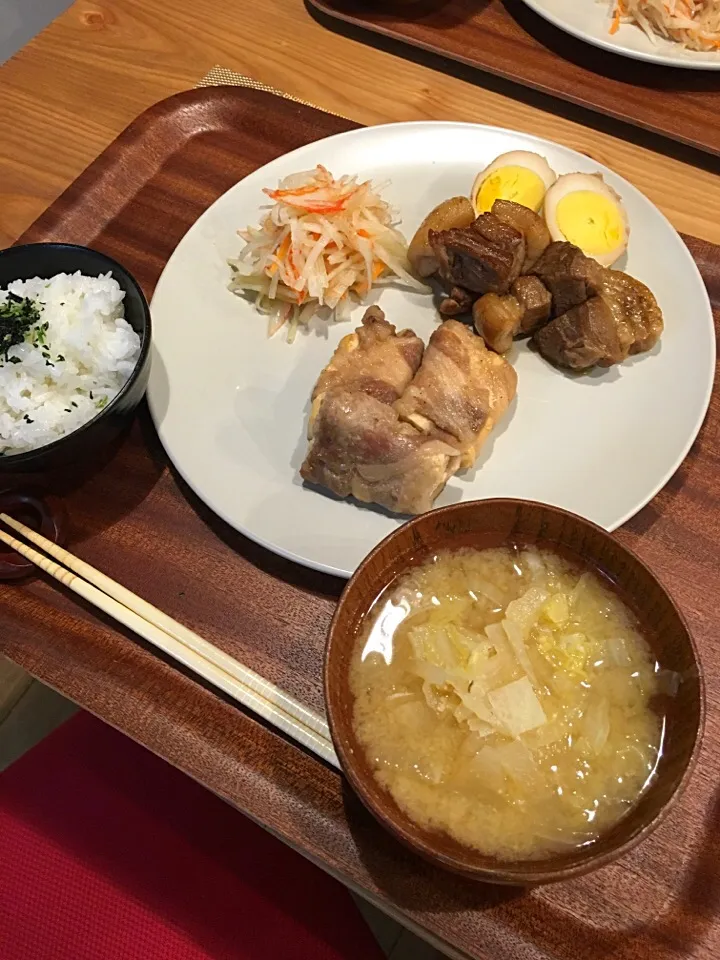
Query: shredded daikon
[{"x": 321, "y": 247}]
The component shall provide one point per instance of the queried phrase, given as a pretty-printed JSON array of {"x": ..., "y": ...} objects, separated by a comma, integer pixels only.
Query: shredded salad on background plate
[
  {"x": 693, "y": 23},
  {"x": 319, "y": 249}
]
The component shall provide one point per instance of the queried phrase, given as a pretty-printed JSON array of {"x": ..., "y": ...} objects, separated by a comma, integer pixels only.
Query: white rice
[{"x": 89, "y": 351}]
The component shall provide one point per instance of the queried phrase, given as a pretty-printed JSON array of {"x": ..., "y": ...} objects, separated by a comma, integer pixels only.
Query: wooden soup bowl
[{"x": 492, "y": 523}]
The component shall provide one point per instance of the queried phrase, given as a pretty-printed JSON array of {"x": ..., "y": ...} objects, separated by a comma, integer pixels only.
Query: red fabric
[{"x": 108, "y": 853}]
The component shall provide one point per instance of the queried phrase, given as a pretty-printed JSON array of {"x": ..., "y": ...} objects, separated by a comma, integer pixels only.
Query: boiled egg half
[
  {"x": 520, "y": 176},
  {"x": 582, "y": 209}
]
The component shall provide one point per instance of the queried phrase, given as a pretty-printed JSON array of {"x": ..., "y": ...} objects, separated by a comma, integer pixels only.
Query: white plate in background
[{"x": 589, "y": 20}]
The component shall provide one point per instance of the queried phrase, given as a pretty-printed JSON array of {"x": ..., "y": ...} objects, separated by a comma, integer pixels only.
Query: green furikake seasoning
[{"x": 17, "y": 316}]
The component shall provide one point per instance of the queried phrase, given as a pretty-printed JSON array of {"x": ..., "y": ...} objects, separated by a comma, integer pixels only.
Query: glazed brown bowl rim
[{"x": 506, "y": 872}]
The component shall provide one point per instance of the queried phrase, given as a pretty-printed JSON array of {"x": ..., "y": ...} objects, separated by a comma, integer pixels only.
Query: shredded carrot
[
  {"x": 280, "y": 253},
  {"x": 290, "y": 192},
  {"x": 302, "y": 198},
  {"x": 361, "y": 286},
  {"x": 617, "y": 16},
  {"x": 290, "y": 267}
]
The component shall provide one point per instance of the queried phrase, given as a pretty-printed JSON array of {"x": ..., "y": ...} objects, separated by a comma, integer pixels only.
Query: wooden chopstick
[{"x": 177, "y": 640}]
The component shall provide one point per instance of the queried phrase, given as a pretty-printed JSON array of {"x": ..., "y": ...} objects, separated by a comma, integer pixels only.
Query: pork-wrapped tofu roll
[
  {"x": 369, "y": 441},
  {"x": 358, "y": 445},
  {"x": 460, "y": 391},
  {"x": 375, "y": 360},
  {"x": 361, "y": 448}
]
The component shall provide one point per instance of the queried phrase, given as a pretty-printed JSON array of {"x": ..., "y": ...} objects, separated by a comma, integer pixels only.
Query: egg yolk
[
  {"x": 591, "y": 221},
  {"x": 510, "y": 183}
]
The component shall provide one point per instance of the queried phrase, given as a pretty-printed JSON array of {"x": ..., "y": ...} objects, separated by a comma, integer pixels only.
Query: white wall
[{"x": 20, "y": 20}]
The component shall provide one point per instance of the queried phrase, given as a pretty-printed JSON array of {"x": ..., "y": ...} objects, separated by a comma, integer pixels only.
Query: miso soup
[{"x": 503, "y": 696}]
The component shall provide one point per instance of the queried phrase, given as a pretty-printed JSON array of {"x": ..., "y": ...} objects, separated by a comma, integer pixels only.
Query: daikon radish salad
[{"x": 503, "y": 696}]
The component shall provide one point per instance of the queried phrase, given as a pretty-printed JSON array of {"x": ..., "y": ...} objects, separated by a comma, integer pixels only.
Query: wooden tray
[
  {"x": 135, "y": 519},
  {"x": 507, "y": 38}
]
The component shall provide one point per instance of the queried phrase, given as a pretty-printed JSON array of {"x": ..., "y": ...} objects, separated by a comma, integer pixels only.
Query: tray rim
[{"x": 326, "y": 9}]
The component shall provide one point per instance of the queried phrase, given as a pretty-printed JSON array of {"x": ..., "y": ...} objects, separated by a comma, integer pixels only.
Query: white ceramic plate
[
  {"x": 231, "y": 406},
  {"x": 589, "y": 21}
]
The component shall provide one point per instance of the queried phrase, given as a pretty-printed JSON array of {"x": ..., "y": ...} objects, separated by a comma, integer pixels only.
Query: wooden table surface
[{"x": 77, "y": 85}]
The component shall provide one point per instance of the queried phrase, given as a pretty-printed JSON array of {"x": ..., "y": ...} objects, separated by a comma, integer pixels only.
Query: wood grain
[
  {"x": 506, "y": 38},
  {"x": 74, "y": 88},
  {"x": 134, "y": 518}
]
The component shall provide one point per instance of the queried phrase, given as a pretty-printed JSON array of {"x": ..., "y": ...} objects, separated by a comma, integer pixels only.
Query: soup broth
[{"x": 504, "y": 696}]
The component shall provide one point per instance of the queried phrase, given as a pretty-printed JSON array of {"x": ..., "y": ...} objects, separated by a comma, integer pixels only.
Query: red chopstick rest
[{"x": 46, "y": 516}]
